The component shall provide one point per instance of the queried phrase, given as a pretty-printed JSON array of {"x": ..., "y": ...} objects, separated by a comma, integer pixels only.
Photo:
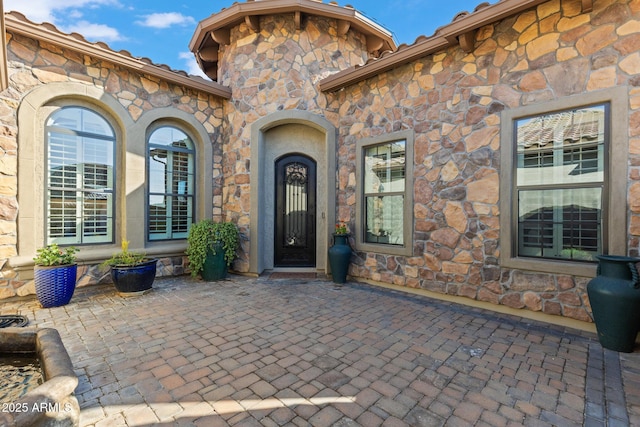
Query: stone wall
[
  {"x": 453, "y": 100},
  {"x": 33, "y": 64}
]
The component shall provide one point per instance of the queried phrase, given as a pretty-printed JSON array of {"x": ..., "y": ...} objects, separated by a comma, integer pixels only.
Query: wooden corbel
[
  {"x": 343, "y": 27},
  {"x": 209, "y": 53},
  {"x": 212, "y": 72},
  {"x": 467, "y": 41},
  {"x": 221, "y": 36},
  {"x": 253, "y": 22},
  {"x": 374, "y": 43},
  {"x": 587, "y": 6},
  {"x": 297, "y": 18}
]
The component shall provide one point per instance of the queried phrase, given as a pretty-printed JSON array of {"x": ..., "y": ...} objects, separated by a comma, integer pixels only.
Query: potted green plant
[
  {"x": 54, "y": 275},
  {"x": 212, "y": 248},
  {"x": 131, "y": 272}
]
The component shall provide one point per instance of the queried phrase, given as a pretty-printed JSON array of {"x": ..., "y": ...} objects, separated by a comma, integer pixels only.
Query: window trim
[
  {"x": 113, "y": 138},
  {"x": 532, "y": 240},
  {"x": 360, "y": 243},
  {"x": 194, "y": 196},
  {"x": 614, "y": 223}
]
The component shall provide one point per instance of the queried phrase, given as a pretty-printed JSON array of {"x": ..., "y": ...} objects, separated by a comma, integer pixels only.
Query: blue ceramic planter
[
  {"x": 134, "y": 279},
  {"x": 55, "y": 284}
]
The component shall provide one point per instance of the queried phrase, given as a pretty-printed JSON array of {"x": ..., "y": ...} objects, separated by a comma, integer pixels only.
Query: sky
[{"x": 162, "y": 29}]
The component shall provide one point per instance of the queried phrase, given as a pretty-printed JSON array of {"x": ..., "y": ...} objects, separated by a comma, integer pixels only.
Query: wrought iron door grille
[{"x": 296, "y": 199}]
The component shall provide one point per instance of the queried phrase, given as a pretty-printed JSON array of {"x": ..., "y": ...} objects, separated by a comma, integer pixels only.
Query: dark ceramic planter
[
  {"x": 339, "y": 258},
  {"x": 134, "y": 279},
  {"x": 215, "y": 266},
  {"x": 55, "y": 284},
  {"x": 614, "y": 295}
]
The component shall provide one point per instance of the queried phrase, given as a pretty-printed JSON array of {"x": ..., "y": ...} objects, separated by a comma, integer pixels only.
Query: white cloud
[
  {"x": 46, "y": 10},
  {"x": 94, "y": 31},
  {"x": 191, "y": 65},
  {"x": 165, "y": 20},
  {"x": 59, "y": 12},
  {"x": 36, "y": 10}
]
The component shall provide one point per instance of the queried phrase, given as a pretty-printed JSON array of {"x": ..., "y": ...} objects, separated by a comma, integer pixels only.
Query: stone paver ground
[{"x": 264, "y": 352}]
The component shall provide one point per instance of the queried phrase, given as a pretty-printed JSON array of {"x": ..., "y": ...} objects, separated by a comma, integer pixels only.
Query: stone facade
[{"x": 452, "y": 100}]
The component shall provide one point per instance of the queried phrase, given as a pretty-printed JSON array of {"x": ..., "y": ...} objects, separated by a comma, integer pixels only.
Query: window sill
[
  {"x": 581, "y": 269},
  {"x": 97, "y": 255},
  {"x": 384, "y": 249}
]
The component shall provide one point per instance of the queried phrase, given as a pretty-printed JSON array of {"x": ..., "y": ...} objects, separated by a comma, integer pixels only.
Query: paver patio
[{"x": 267, "y": 352}]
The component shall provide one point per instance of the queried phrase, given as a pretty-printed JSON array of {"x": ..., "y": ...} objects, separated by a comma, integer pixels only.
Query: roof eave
[
  {"x": 4, "y": 69},
  {"x": 488, "y": 15},
  {"x": 98, "y": 50},
  {"x": 444, "y": 37},
  {"x": 356, "y": 74},
  {"x": 238, "y": 11}
]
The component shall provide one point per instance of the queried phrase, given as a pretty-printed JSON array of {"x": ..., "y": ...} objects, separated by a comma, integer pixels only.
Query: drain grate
[{"x": 13, "y": 320}]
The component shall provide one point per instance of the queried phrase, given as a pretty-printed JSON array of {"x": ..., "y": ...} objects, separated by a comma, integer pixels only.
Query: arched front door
[{"x": 295, "y": 215}]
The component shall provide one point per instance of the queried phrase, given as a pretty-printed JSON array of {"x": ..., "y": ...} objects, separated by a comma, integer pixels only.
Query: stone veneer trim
[
  {"x": 258, "y": 142},
  {"x": 31, "y": 116},
  {"x": 149, "y": 121}
]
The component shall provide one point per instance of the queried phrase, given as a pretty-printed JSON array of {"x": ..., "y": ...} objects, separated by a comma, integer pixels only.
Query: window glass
[
  {"x": 171, "y": 184},
  {"x": 560, "y": 183},
  {"x": 81, "y": 120},
  {"x": 80, "y": 182},
  {"x": 384, "y": 185},
  {"x": 562, "y": 223}
]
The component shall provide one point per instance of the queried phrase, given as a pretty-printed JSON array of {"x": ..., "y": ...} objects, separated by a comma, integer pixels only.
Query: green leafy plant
[
  {"x": 53, "y": 255},
  {"x": 203, "y": 235},
  {"x": 125, "y": 257},
  {"x": 341, "y": 228}
]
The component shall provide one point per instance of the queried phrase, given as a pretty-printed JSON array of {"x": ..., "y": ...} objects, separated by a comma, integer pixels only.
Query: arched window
[
  {"x": 170, "y": 184},
  {"x": 79, "y": 178}
]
